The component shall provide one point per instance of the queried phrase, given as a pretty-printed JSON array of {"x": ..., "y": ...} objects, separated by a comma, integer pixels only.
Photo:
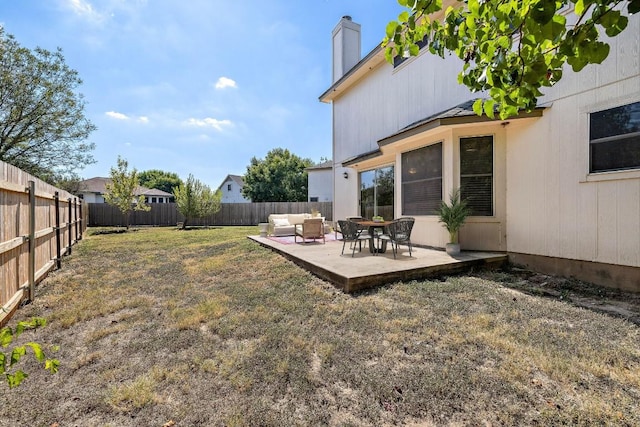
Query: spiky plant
[{"x": 454, "y": 214}]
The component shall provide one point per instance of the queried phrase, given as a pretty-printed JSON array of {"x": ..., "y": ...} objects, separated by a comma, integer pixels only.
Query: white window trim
[{"x": 584, "y": 138}]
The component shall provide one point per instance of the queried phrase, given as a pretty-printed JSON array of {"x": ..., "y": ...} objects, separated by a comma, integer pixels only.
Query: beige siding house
[{"x": 558, "y": 189}]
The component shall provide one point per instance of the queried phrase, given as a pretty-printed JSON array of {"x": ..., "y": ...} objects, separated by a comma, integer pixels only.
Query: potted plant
[{"x": 453, "y": 216}]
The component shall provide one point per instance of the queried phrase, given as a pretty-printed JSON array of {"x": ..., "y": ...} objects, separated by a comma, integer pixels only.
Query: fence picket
[{"x": 29, "y": 218}]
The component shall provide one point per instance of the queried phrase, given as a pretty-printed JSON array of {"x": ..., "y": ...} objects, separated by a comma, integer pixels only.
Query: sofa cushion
[{"x": 280, "y": 222}]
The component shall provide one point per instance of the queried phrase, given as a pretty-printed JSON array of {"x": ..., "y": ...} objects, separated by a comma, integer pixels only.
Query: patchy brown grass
[{"x": 208, "y": 328}]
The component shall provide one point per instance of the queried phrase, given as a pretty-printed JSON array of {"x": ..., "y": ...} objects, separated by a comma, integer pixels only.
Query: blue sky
[{"x": 198, "y": 86}]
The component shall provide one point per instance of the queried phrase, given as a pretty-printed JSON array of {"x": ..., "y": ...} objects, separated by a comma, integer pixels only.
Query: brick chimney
[{"x": 346, "y": 47}]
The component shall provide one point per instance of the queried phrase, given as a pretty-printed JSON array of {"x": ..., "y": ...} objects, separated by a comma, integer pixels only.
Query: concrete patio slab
[{"x": 364, "y": 270}]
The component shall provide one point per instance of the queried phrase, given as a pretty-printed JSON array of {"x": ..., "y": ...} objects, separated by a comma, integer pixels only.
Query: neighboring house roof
[
  {"x": 235, "y": 178},
  {"x": 325, "y": 165},
  {"x": 98, "y": 185}
]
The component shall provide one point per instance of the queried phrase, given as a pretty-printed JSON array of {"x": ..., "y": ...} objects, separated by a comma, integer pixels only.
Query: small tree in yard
[
  {"x": 196, "y": 200},
  {"x": 121, "y": 190}
]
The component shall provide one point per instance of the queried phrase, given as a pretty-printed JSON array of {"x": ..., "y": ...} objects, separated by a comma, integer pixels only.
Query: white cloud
[
  {"x": 225, "y": 82},
  {"x": 117, "y": 116},
  {"x": 84, "y": 9},
  {"x": 209, "y": 122},
  {"x": 120, "y": 116}
]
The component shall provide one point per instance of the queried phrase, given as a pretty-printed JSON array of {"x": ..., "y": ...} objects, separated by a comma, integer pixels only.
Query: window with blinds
[
  {"x": 476, "y": 174},
  {"x": 422, "y": 180},
  {"x": 614, "y": 139}
]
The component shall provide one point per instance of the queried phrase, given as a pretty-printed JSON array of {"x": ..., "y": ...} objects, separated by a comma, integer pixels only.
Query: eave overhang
[
  {"x": 459, "y": 115},
  {"x": 366, "y": 64},
  {"x": 362, "y": 157}
]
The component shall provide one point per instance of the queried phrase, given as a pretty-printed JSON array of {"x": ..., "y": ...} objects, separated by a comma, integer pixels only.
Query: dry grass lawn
[{"x": 207, "y": 328}]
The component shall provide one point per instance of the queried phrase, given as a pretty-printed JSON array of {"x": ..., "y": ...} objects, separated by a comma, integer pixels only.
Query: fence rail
[
  {"x": 39, "y": 224},
  {"x": 166, "y": 214}
]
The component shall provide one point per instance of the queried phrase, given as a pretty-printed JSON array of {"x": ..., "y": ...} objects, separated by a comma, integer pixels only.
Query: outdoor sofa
[{"x": 285, "y": 224}]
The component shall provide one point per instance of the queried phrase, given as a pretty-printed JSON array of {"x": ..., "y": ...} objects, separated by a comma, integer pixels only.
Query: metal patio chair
[
  {"x": 353, "y": 234},
  {"x": 399, "y": 233}
]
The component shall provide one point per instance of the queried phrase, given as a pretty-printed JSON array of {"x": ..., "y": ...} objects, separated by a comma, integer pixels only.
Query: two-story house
[
  {"x": 231, "y": 190},
  {"x": 557, "y": 189}
]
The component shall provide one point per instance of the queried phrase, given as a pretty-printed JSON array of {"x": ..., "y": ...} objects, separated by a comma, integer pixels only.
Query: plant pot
[{"x": 452, "y": 248}]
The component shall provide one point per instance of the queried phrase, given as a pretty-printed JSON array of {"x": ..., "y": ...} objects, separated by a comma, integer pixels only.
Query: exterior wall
[
  {"x": 321, "y": 185},
  {"x": 556, "y": 208},
  {"x": 546, "y": 202},
  {"x": 234, "y": 195},
  {"x": 92, "y": 198},
  {"x": 381, "y": 104}
]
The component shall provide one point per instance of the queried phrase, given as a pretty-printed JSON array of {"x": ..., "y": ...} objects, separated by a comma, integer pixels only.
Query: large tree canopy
[
  {"x": 280, "y": 177},
  {"x": 510, "y": 48},
  {"x": 42, "y": 124},
  {"x": 160, "y": 180}
]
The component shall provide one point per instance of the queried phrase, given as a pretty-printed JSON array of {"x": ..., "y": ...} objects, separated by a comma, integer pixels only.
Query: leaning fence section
[
  {"x": 166, "y": 214},
  {"x": 38, "y": 225}
]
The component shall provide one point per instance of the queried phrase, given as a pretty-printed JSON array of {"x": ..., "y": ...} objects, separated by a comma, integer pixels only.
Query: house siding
[
  {"x": 556, "y": 208},
  {"x": 320, "y": 185},
  {"x": 546, "y": 202}
]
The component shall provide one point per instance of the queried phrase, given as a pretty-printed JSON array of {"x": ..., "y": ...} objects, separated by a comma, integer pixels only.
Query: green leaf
[
  {"x": 6, "y": 336},
  {"x": 37, "y": 351},
  {"x": 14, "y": 380},
  {"x": 391, "y": 29},
  {"x": 477, "y": 106},
  {"x": 16, "y": 354},
  {"x": 52, "y": 365},
  {"x": 488, "y": 108},
  {"x": 403, "y": 17},
  {"x": 542, "y": 12}
]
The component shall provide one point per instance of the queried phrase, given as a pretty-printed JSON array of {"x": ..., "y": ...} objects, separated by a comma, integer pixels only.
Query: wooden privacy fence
[
  {"x": 38, "y": 225},
  {"x": 166, "y": 214}
]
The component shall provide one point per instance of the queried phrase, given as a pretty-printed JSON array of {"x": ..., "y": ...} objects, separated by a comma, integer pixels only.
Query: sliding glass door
[{"x": 376, "y": 193}]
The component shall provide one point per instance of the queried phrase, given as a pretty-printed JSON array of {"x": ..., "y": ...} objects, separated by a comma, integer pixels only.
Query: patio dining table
[{"x": 372, "y": 226}]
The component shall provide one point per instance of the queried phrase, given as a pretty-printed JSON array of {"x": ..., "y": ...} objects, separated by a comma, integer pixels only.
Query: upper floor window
[
  {"x": 476, "y": 174},
  {"x": 228, "y": 187},
  {"x": 422, "y": 180},
  {"x": 313, "y": 199},
  {"x": 614, "y": 139}
]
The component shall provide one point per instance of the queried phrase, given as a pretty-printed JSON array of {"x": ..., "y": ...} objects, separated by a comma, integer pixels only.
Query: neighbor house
[
  {"x": 231, "y": 190},
  {"x": 320, "y": 182},
  {"x": 92, "y": 191},
  {"x": 557, "y": 189}
]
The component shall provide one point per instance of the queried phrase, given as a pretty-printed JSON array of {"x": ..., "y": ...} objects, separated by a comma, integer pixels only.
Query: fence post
[
  {"x": 75, "y": 216},
  {"x": 56, "y": 198},
  {"x": 70, "y": 228},
  {"x": 32, "y": 239},
  {"x": 81, "y": 220}
]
